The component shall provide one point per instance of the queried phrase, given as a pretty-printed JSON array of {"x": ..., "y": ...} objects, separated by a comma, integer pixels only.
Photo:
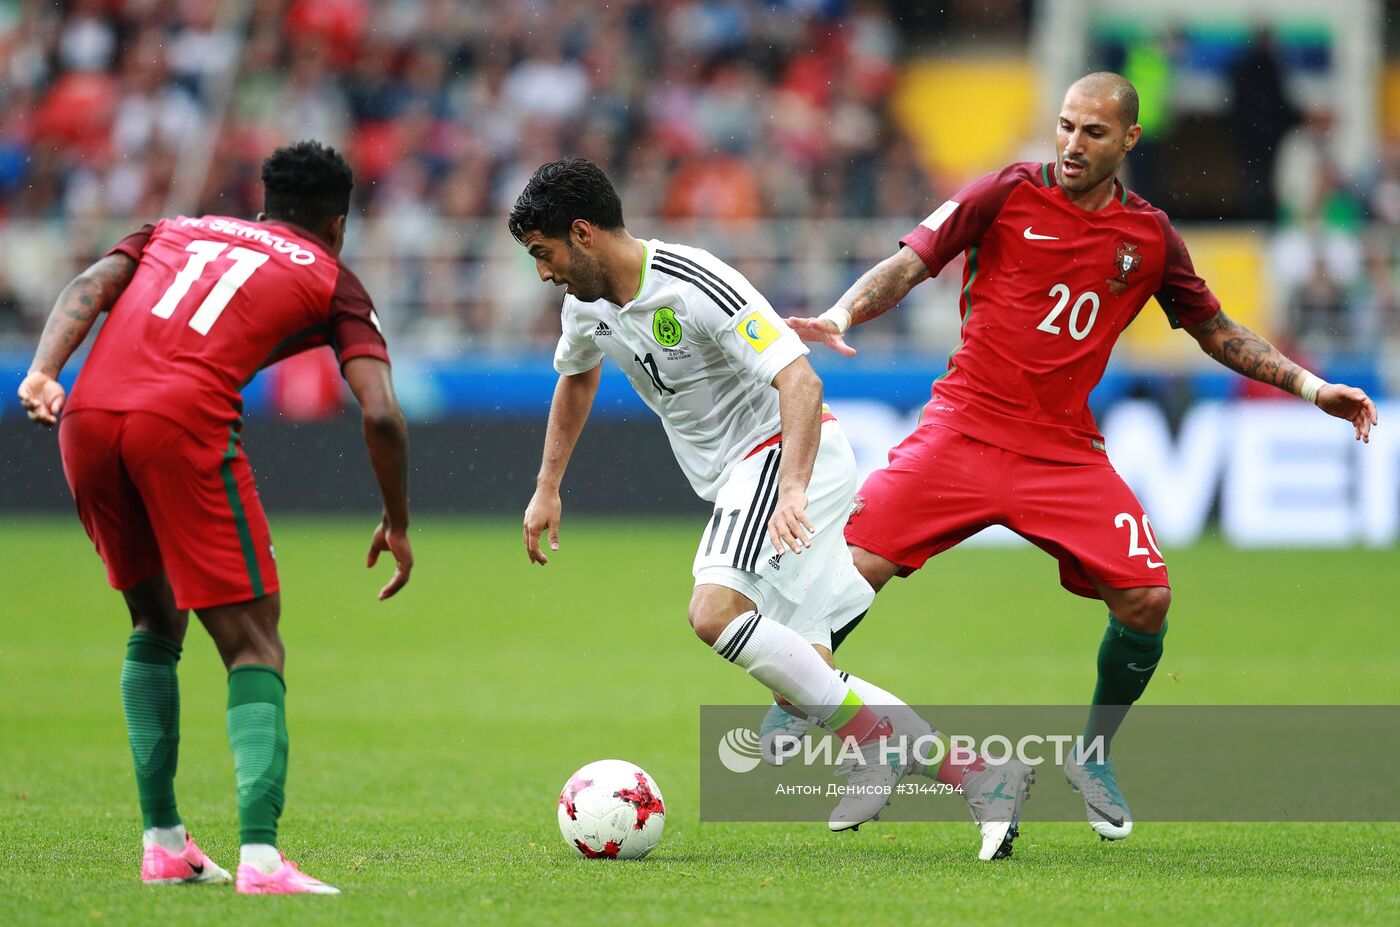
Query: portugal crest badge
[{"x": 1125, "y": 260}]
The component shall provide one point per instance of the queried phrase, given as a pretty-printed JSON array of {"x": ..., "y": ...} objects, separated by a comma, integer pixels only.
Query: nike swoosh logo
[
  {"x": 1141, "y": 669},
  {"x": 197, "y": 868},
  {"x": 1032, "y": 236},
  {"x": 1116, "y": 822}
]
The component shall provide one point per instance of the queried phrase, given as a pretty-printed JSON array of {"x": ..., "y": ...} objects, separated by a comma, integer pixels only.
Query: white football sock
[
  {"x": 905, "y": 720},
  {"x": 261, "y": 856},
  {"x": 170, "y": 839},
  {"x": 783, "y": 662}
]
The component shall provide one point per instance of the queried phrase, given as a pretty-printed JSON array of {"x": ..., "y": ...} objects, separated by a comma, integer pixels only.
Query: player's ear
[
  {"x": 337, "y": 232},
  {"x": 1130, "y": 138},
  {"x": 581, "y": 233}
]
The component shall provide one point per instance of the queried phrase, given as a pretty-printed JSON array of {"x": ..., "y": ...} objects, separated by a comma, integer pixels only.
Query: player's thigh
[
  {"x": 209, "y": 522},
  {"x": 806, "y": 591},
  {"x": 1088, "y": 518},
  {"x": 109, "y": 504},
  {"x": 938, "y": 490},
  {"x": 737, "y": 531}
]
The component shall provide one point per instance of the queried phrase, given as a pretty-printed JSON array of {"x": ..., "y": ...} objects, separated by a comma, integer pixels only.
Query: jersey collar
[
  {"x": 648, "y": 251},
  {"x": 1048, "y": 178}
]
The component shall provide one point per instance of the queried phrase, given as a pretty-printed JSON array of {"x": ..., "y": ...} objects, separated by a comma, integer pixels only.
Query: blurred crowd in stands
[{"x": 700, "y": 109}]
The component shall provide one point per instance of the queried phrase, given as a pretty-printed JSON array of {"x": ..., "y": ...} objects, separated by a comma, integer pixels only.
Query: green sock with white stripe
[
  {"x": 151, "y": 701},
  {"x": 257, "y": 732},
  {"x": 1127, "y": 659}
]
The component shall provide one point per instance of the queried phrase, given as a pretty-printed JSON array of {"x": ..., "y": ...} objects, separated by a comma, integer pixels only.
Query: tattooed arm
[
  {"x": 879, "y": 288},
  {"x": 1245, "y": 351},
  {"x": 91, "y": 292}
]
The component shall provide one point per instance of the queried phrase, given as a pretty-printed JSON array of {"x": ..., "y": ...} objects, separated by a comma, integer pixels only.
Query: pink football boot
[
  {"x": 287, "y": 880},
  {"x": 161, "y": 867}
]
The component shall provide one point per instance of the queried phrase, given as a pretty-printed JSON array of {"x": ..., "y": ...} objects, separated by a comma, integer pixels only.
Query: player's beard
[
  {"x": 586, "y": 276},
  {"x": 1092, "y": 176}
]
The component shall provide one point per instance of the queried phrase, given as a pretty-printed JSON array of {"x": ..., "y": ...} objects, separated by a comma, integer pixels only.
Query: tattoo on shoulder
[{"x": 113, "y": 272}]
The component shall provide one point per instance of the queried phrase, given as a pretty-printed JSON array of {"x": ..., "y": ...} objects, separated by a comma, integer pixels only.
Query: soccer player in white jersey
[{"x": 743, "y": 411}]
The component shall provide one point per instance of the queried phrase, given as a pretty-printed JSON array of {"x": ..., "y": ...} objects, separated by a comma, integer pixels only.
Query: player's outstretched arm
[
  {"x": 800, "y": 409},
  {"x": 1247, "y": 352},
  {"x": 879, "y": 288},
  {"x": 386, "y": 437},
  {"x": 91, "y": 292},
  {"x": 568, "y": 411}
]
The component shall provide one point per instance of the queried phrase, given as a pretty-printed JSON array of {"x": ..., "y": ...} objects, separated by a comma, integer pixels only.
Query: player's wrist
[
  {"x": 1310, "y": 385},
  {"x": 789, "y": 490},
  {"x": 839, "y": 317}
]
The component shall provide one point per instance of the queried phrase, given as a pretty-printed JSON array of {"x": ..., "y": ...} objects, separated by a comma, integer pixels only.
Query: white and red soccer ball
[{"x": 611, "y": 809}]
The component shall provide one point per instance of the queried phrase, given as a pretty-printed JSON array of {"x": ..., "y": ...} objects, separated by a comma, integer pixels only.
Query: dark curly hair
[
  {"x": 306, "y": 183},
  {"x": 560, "y": 192}
]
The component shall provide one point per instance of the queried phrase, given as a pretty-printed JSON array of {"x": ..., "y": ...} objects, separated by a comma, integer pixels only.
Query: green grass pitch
[{"x": 431, "y": 734}]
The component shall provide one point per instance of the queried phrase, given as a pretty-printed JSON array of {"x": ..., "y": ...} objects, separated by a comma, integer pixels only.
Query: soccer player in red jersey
[
  {"x": 1060, "y": 258},
  {"x": 151, "y": 449}
]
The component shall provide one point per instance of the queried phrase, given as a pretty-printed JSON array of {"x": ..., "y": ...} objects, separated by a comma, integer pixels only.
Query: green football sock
[
  {"x": 257, "y": 731},
  {"x": 1127, "y": 659},
  {"x": 151, "y": 701}
]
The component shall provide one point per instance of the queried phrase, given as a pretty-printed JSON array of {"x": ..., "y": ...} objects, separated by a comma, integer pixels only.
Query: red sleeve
[
  {"x": 1183, "y": 296},
  {"x": 960, "y": 222},
  {"x": 134, "y": 244},
  {"x": 354, "y": 324}
]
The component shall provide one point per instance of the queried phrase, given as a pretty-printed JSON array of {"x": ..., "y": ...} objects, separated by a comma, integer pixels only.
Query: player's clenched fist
[
  {"x": 541, "y": 515},
  {"x": 790, "y": 528}
]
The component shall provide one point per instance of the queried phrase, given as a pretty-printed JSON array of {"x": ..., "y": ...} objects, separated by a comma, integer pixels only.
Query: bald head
[{"x": 1106, "y": 85}]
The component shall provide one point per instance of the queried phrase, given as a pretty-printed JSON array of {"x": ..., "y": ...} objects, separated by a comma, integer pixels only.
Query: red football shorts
[
  {"x": 941, "y": 487},
  {"x": 155, "y": 498}
]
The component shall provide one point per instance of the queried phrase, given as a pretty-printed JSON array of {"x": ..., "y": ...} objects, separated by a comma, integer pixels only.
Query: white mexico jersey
[{"x": 701, "y": 347}]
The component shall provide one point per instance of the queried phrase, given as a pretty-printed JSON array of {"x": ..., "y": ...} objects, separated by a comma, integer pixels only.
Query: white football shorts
[{"x": 814, "y": 593}]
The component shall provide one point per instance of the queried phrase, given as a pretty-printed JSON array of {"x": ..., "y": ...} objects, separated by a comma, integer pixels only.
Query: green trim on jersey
[
  {"x": 323, "y": 329},
  {"x": 1045, "y": 174},
  {"x": 240, "y": 518},
  {"x": 646, "y": 256},
  {"x": 1124, "y": 198},
  {"x": 967, "y": 303}
]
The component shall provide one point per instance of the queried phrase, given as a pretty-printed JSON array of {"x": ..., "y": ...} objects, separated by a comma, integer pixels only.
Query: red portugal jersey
[
  {"x": 1047, "y": 290},
  {"x": 213, "y": 301}
]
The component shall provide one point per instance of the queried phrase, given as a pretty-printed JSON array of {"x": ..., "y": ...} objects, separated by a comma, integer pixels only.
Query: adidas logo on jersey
[
  {"x": 774, "y": 561},
  {"x": 602, "y": 330}
]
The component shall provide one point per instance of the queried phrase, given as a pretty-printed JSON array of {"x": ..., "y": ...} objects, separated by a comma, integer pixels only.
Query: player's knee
[
  {"x": 152, "y": 607},
  {"x": 247, "y": 632},
  {"x": 707, "y": 622},
  {"x": 713, "y": 607},
  {"x": 875, "y": 569},
  {"x": 1146, "y": 609},
  {"x": 259, "y": 649}
]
